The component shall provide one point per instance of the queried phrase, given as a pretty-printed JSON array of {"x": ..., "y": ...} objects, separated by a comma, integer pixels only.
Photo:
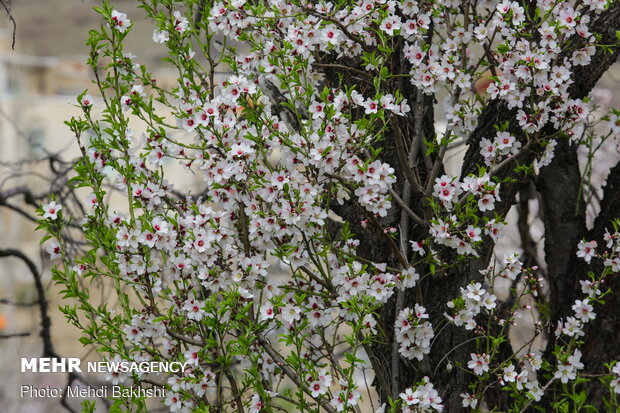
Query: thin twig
[
  {"x": 185, "y": 339},
  {"x": 12, "y": 335},
  {"x": 280, "y": 362},
  {"x": 405, "y": 161},
  {"x": 46, "y": 322},
  {"x": 15, "y": 304},
  {"x": 341, "y": 26},
  {"x": 496, "y": 169},
  {"x": 405, "y": 208},
  {"x": 10, "y": 16},
  {"x": 529, "y": 402}
]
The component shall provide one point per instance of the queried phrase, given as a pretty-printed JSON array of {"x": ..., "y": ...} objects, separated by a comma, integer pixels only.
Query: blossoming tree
[{"x": 329, "y": 261}]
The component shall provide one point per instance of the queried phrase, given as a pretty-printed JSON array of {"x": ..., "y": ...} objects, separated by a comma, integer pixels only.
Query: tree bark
[
  {"x": 455, "y": 344},
  {"x": 602, "y": 340},
  {"x": 564, "y": 220}
]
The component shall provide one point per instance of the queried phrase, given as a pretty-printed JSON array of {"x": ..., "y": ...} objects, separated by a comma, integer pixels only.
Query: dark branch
[
  {"x": 46, "y": 322},
  {"x": 13, "y": 335},
  {"x": 7, "y": 9},
  {"x": 603, "y": 335},
  {"x": 564, "y": 219}
]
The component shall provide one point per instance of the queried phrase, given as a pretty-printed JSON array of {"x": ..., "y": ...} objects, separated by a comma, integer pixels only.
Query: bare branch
[
  {"x": 13, "y": 303},
  {"x": 401, "y": 203},
  {"x": 7, "y": 336},
  {"x": 7, "y": 9},
  {"x": 46, "y": 322}
]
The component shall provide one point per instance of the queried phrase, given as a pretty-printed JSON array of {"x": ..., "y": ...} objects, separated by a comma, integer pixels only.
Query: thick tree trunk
[
  {"x": 455, "y": 344},
  {"x": 564, "y": 219},
  {"x": 602, "y": 341},
  {"x": 558, "y": 184}
]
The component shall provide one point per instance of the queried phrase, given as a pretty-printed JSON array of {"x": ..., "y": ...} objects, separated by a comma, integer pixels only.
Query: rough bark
[
  {"x": 602, "y": 341},
  {"x": 558, "y": 184},
  {"x": 437, "y": 290},
  {"x": 564, "y": 219}
]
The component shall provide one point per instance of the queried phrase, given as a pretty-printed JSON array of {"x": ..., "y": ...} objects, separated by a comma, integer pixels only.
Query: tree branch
[
  {"x": 7, "y": 9},
  {"x": 564, "y": 218},
  {"x": 46, "y": 322}
]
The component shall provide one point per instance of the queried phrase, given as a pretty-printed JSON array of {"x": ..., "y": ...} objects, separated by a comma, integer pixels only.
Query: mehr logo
[
  {"x": 72, "y": 364},
  {"x": 51, "y": 365}
]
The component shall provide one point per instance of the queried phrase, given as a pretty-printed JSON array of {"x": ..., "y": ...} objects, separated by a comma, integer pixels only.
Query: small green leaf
[{"x": 503, "y": 48}]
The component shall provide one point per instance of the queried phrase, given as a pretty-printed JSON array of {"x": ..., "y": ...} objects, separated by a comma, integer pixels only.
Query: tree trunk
[{"x": 556, "y": 182}]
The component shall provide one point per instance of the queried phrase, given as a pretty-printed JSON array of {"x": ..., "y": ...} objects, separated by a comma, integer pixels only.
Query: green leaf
[
  {"x": 503, "y": 48},
  {"x": 116, "y": 407},
  {"x": 88, "y": 406},
  {"x": 86, "y": 341}
]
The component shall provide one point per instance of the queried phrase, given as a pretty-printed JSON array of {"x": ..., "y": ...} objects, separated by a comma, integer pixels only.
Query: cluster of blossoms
[
  {"x": 586, "y": 250},
  {"x": 448, "y": 230},
  {"x": 473, "y": 300},
  {"x": 529, "y": 364},
  {"x": 199, "y": 382},
  {"x": 479, "y": 363},
  {"x": 525, "y": 70},
  {"x": 346, "y": 398},
  {"x": 523, "y": 66},
  {"x": 421, "y": 399},
  {"x": 319, "y": 385},
  {"x": 573, "y": 326},
  {"x": 276, "y": 152},
  {"x": 567, "y": 370},
  {"x": 503, "y": 144},
  {"x": 355, "y": 281},
  {"x": 511, "y": 267},
  {"x": 413, "y": 333},
  {"x": 143, "y": 328},
  {"x": 449, "y": 189}
]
